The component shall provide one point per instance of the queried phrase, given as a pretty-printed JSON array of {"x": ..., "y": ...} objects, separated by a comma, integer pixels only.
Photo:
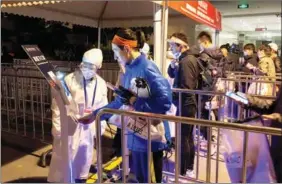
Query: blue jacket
[{"x": 159, "y": 101}]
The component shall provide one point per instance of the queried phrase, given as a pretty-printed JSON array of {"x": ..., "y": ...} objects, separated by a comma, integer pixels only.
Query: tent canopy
[{"x": 88, "y": 13}]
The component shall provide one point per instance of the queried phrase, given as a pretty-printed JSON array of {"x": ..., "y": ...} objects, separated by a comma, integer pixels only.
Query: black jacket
[
  {"x": 212, "y": 60},
  {"x": 253, "y": 59},
  {"x": 231, "y": 62},
  {"x": 188, "y": 74},
  {"x": 267, "y": 107}
]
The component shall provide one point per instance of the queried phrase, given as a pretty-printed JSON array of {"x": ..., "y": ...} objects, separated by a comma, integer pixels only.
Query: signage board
[
  {"x": 243, "y": 6},
  {"x": 261, "y": 29},
  {"x": 47, "y": 70},
  {"x": 44, "y": 66},
  {"x": 201, "y": 11}
]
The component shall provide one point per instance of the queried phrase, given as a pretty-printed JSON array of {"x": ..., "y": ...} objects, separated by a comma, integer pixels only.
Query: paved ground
[
  {"x": 19, "y": 163},
  {"x": 20, "y": 157}
]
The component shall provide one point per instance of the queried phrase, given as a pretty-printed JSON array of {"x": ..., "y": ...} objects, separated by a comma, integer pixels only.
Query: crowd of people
[{"x": 194, "y": 67}]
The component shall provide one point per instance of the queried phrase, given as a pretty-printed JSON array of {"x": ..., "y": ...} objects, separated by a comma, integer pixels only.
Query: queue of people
[{"x": 194, "y": 67}]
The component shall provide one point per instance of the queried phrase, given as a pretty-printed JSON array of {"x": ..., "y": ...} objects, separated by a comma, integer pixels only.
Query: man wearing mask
[
  {"x": 185, "y": 72},
  {"x": 275, "y": 57},
  {"x": 212, "y": 59},
  {"x": 230, "y": 59},
  {"x": 89, "y": 92},
  {"x": 250, "y": 56}
]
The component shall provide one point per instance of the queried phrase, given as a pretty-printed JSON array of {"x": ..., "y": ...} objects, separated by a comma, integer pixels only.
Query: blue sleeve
[
  {"x": 171, "y": 72},
  {"x": 160, "y": 99},
  {"x": 116, "y": 104}
]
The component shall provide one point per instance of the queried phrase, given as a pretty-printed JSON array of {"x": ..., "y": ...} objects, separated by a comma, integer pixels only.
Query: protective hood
[
  {"x": 273, "y": 46},
  {"x": 93, "y": 56},
  {"x": 214, "y": 53},
  {"x": 145, "y": 49}
]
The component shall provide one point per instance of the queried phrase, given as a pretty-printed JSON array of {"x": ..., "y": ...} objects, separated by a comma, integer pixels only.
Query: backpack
[{"x": 209, "y": 66}]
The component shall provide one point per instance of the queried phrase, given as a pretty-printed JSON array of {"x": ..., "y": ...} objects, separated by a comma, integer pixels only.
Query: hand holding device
[
  {"x": 238, "y": 97},
  {"x": 125, "y": 94}
]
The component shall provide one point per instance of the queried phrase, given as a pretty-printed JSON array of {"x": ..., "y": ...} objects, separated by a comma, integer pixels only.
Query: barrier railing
[
  {"x": 178, "y": 120},
  {"x": 26, "y": 104}
]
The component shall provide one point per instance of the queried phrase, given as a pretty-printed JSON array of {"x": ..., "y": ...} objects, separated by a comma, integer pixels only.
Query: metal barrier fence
[
  {"x": 178, "y": 120},
  {"x": 26, "y": 102}
]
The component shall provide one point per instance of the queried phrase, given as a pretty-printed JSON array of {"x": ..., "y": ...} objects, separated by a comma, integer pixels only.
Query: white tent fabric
[{"x": 88, "y": 13}]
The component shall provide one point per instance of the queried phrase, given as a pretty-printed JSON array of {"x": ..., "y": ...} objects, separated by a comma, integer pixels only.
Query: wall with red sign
[{"x": 201, "y": 11}]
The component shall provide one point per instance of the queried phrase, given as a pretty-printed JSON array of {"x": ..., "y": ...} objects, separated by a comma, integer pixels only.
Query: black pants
[
  {"x": 187, "y": 142},
  {"x": 205, "y": 114}
]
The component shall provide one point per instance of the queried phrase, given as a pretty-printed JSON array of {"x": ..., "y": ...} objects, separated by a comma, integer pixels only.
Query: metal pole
[
  {"x": 99, "y": 149},
  {"x": 209, "y": 129},
  {"x": 99, "y": 36},
  {"x": 164, "y": 36},
  {"x": 198, "y": 137},
  {"x": 157, "y": 11},
  {"x": 217, "y": 38},
  {"x": 123, "y": 143},
  {"x": 245, "y": 146},
  {"x": 178, "y": 141},
  {"x": 149, "y": 161},
  {"x": 218, "y": 144}
]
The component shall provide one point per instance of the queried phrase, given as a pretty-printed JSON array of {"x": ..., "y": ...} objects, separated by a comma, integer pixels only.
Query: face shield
[{"x": 176, "y": 46}]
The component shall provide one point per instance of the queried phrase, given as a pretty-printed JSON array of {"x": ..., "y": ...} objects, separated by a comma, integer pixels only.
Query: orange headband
[{"x": 122, "y": 42}]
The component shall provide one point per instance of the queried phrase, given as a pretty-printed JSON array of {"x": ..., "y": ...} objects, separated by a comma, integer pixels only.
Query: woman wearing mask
[
  {"x": 126, "y": 46},
  {"x": 275, "y": 57},
  {"x": 266, "y": 64},
  {"x": 265, "y": 67}
]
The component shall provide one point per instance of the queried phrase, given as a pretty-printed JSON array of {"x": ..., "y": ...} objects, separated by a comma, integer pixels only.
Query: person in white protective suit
[{"x": 89, "y": 92}]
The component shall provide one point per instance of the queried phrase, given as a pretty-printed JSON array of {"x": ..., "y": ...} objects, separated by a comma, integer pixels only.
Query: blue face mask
[{"x": 177, "y": 55}]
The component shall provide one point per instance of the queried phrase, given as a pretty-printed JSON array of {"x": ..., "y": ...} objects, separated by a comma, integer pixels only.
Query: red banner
[{"x": 200, "y": 11}]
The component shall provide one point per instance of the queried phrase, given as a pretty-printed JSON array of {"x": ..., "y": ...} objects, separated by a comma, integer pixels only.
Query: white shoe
[
  {"x": 204, "y": 147},
  {"x": 190, "y": 174}
]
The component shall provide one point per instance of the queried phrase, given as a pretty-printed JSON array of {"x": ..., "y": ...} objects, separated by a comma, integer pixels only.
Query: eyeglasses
[{"x": 88, "y": 66}]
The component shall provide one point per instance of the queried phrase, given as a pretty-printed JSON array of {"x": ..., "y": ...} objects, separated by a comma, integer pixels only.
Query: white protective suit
[{"x": 81, "y": 139}]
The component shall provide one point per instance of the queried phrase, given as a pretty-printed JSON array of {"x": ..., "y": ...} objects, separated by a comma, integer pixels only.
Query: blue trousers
[{"x": 139, "y": 166}]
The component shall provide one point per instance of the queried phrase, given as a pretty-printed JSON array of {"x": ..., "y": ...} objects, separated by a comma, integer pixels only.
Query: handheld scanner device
[{"x": 236, "y": 97}]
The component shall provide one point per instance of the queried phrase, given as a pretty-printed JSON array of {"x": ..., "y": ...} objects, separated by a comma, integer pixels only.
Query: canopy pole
[
  {"x": 99, "y": 37},
  {"x": 158, "y": 35},
  {"x": 164, "y": 37},
  {"x": 217, "y": 38},
  {"x": 99, "y": 23}
]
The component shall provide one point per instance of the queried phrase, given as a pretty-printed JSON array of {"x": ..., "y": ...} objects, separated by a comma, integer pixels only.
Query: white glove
[
  {"x": 173, "y": 64},
  {"x": 211, "y": 105}
]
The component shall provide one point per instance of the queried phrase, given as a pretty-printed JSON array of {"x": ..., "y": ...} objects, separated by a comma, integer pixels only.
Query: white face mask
[
  {"x": 177, "y": 55},
  {"x": 87, "y": 73}
]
